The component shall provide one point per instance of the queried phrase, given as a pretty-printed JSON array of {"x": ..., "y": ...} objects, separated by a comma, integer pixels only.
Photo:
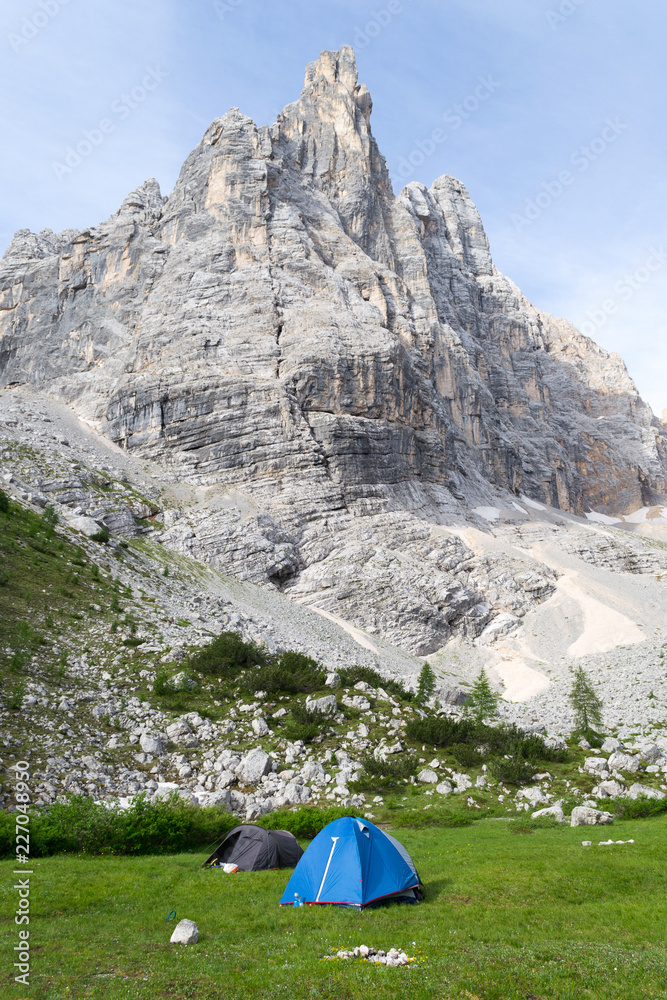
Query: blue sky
[{"x": 559, "y": 133}]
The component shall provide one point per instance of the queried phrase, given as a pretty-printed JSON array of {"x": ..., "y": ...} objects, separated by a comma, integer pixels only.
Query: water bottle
[{"x": 297, "y": 899}]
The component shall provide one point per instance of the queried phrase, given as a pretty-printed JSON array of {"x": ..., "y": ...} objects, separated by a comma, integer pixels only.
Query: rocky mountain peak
[{"x": 284, "y": 319}]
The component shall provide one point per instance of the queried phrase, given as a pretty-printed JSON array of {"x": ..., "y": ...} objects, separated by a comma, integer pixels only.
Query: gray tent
[{"x": 253, "y": 848}]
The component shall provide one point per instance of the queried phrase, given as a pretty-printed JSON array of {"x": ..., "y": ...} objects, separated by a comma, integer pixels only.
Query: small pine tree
[
  {"x": 482, "y": 700},
  {"x": 425, "y": 685},
  {"x": 585, "y": 702}
]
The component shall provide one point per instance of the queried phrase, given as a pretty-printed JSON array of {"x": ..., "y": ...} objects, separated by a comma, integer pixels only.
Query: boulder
[
  {"x": 587, "y": 816},
  {"x": 333, "y": 680},
  {"x": 326, "y": 705},
  {"x": 462, "y": 781},
  {"x": 609, "y": 789},
  {"x": 178, "y": 729},
  {"x": 651, "y": 753},
  {"x": 253, "y": 767},
  {"x": 444, "y": 788},
  {"x": 358, "y": 701},
  {"x": 596, "y": 765},
  {"x": 185, "y": 932},
  {"x": 534, "y": 796},
  {"x": 85, "y": 525},
  {"x": 638, "y": 791},
  {"x": 224, "y": 780},
  {"x": 260, "y": 727},
  {"x": 556, "y": 810},
  {"x": 428, "y": 776},
  {"x": 151, "y": 744},
  {"x": 611, "y": 744},
  {"x": 182, "y": 682},
  {"x": 623, "y": 762}
]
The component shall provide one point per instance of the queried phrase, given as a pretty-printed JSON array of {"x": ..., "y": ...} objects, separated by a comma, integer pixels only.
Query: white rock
[
  {"x": 185, "y": 932},
  {"x": 556, "y": 810},
  {"x": 151, "y": 744},
  {"x": 651, "y": 754},
  {"x": 638, "y": 791},
  {"x": 327, "y": 705},
  {"x": 595, "y": 765},
  {"x": 444, "y": 788},
  {"x": 253, "y": 767},
  {"x": 587, "y": 816},
  {"x": 85, "y": 525},
  {"x": 358, "y": 702},
  {"x": 534, "y": 795},
  {"x": 609, "y": 789},
  {"x": 611, "y": 744},
  {"x": 428, "y": 777},
  {"x": 332, "y": 680},
  {"x": 623, "y": 762},
  {"x": 178, "y": 729},
  {"x": 260, "y": 727}
]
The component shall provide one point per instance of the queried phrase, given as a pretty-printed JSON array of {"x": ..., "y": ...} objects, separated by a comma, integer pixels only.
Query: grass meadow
[{"x": 511, "y": 911}]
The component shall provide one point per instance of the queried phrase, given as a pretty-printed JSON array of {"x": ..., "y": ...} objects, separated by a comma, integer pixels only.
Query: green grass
[{"x": 505, "y": 917}]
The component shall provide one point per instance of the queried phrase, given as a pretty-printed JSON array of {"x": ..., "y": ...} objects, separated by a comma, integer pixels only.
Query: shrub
[
  {"x": 101, "y": 536},
  {"x": 515, "y": 771},
  {"x": 15, "y": 700},
  {"x": 383, "y": 773},
  {"x": 417, "y": 819},
  {"x": 439, "y": 730},
  {"x": 445, "y": 731},
  {"x": 305, "y": 723},
  {"x": 350, "y": 676},
  {"x": 291, "y": 672},
  {"x": 641, "y": 808},
  {"x": 164, "y": 826},
  {"x": 304, "y": 823},
  {"x": 4, "y": 578},
  {"x": 5, "y": 505},
  {"x": 226, "y": 655},
  {"x": 466, "y": 754}
]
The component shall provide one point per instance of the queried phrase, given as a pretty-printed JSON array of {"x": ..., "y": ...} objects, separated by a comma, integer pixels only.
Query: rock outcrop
[{"x": 344, "y": 365}]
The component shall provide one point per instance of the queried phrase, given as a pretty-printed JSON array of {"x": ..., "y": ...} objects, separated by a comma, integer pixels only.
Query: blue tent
[{"x": 353, "y": 863}]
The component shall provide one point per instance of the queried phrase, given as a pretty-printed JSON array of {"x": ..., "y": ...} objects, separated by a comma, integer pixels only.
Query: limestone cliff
[{"x": 283, "y": 325}]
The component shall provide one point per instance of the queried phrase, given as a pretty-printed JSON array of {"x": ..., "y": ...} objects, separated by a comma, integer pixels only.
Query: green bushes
[
  {"x": 226, "y": 656},
  {"x": 514, "y": 771},
  {"x": 485, "y": 741},
  {"x": 641, "y": 808},
  {"x": 440, "y": 730},
  {"x": 466, "y": 754},
  {"x": 386, "y": 773},
  {"x": 304, "y": 823},
  {"x": 350, "y": 676},
  {"x": 165, "y": 826},
  {"x": 305, "y": 723},
  {"x": 4, "y": 503},
  {"x": 291, "y": 673}
]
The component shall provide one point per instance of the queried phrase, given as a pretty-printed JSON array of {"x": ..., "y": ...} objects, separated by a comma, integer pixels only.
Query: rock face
[{"x": 344, "y": 365}]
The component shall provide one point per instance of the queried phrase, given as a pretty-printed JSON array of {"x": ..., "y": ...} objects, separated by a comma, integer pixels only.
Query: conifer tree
[
  {"x": 425, "y": 685},
  {"x": 585, "y": 702},
  {"x": 482, "y": 700}
]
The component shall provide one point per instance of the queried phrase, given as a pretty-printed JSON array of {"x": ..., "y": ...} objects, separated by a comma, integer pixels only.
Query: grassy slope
[{"x": 506, "y": 916}]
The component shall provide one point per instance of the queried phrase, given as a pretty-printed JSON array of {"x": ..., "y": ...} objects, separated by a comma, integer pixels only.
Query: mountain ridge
[{"x": 342, "y": 368}]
